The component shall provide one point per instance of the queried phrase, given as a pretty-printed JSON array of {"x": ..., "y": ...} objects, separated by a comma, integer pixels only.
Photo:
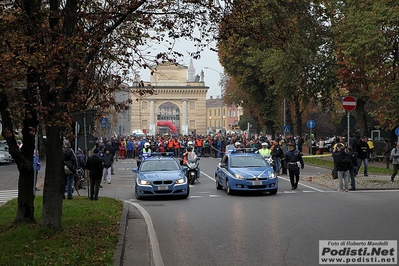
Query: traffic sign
[
  {"x": 349, "y": 103},
  {"x": 397, "y": 131},
  {"x": 311, "y": 124},
  {"x": 344, "y": 121},
  {"x": 286, "y": 129}
]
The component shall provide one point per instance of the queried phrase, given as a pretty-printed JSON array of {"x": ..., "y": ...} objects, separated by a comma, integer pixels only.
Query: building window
[
  {"x": 210, "y": 112},
  {"x": 218, "y": 112},
  {"x": 214, "y": 112},
  {"x": 192, "y": 105},
  {"x": 143, "y": 105}
]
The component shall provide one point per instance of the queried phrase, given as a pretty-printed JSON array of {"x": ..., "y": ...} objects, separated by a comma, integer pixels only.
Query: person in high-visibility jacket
[
  {"x": 371, "y": 149},
  {"x": 265, "y": 151}
]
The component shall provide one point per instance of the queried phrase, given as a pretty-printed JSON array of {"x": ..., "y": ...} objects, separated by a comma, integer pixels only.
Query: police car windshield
[
  {"x": 148, "y": 166},
  {"x": 247, "y": 161}
]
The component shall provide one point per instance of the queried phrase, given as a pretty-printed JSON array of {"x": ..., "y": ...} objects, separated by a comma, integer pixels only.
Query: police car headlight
[
  {"x": 238, "y": 176},
  {"x": 181, "y": 181},
  {"x": 144, "y": 182},
  {"x": 272, "y": 175}
]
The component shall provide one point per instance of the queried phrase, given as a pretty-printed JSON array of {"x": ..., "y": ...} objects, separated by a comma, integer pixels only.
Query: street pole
[
  {"x": 284, "y": 119},
  {"x": 348, "y": 121}
]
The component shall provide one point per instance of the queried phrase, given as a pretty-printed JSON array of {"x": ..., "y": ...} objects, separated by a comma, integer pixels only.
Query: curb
[{"x": 120, "y": 246}]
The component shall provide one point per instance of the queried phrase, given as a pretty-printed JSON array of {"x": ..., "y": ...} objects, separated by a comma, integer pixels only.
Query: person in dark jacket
[
  {"x": 95, "y": 167},
  {"x": 387, "y": 152},
  {"x": 108, "y": 160},
  {"x": 109, "y": 147},
  {"x": 343, "y": 164},
  {"x": 353, "y": 170},
  {"x": 293, "y": 159},
  {"x": 362, "y": 154},
  {"x": 70, "y": 163}
]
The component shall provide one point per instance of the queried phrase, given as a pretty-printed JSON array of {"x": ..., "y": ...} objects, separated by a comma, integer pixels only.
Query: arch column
[
  {"x": 152, "y": 117},
  {"x": 184, "y": 117}
]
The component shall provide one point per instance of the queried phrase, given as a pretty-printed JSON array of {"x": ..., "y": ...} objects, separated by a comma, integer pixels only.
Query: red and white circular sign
[{"x": 349, "y": 103}]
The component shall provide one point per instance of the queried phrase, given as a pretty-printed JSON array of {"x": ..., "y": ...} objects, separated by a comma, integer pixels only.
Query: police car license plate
[
  {"x": 256, "y": 183},
  {"x": 163, "y": 188}
]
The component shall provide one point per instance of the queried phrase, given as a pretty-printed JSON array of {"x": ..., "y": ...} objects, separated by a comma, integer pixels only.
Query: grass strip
[{"x": 88, "y": 237}]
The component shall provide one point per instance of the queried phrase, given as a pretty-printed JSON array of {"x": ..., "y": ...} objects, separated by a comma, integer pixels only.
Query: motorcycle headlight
[
  {"x": 272, "y": 175},
  {"x": 144, "y": 182},
  {"x": 238, "y": 176},
  {"x": 181, "y": 181}
]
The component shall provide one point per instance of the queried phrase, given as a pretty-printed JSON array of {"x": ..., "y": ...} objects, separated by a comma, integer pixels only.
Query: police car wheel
[{"x": 228, "y": 188}]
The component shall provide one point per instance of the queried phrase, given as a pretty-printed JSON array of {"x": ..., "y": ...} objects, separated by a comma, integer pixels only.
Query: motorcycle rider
[
  {"x": 190, "y": 149},
  {"x": 146, "y": 150},
  {"x": 265, "y": 151}
]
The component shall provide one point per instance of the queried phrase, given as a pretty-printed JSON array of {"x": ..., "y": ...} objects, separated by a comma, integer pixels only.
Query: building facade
[
  {"x": 177, "y": 104},
  {"x": 220, "y": 117}
]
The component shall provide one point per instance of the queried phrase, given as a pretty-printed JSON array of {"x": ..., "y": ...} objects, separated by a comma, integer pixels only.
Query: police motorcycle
[
  {"x": 192, "y": 166},
  {"x": 145, "y": 153}
]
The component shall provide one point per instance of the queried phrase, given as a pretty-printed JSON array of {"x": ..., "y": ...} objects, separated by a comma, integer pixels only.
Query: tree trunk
[
  {"x": 54, "y": 185},
  {"x": 361, "y": 116},
  {"x": 298, "y": 117}
]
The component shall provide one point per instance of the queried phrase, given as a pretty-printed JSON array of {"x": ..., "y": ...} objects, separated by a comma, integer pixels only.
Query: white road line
[
  {"x": 301, "y": 184},
  {"x": 208, "y": 176},
  {"x": 156, "y": 252}
]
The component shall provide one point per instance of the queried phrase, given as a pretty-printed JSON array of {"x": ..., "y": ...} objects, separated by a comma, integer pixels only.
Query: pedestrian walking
[
  {"x": 70, "y": 164},
  {"x": 95, "y": 167},
  {"x": 36, "y": 166},
  {"x": 362, "y": 155},
  {"x": 343, "y": 164},
  {"x": 387, "y": 152},
  {"x": 353, "y": 170},
  {"x": 108, "y": 161},
  {"x": 321, "y": 146},
  {"x": 395, "y": 161},
  {"x": 293, "y": 159}
]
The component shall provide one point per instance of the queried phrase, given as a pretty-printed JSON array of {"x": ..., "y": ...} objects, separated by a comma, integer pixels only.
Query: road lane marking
[
  {"x": 302, "y": 184},
  {"x": 156, "y": 251}
]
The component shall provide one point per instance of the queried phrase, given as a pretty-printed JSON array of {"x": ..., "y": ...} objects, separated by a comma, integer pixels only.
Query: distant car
[
  {"x": 241, "y": 170},
  {"x": 328, "y": 143},
  {"x": 5, "y": 156},
  {"x": 161, "y": 175}
]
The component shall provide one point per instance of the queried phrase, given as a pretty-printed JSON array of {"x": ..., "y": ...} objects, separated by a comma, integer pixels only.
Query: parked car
[
  {"x": 5, "y": 156},
  {"x": 160, "y": 175},
  {"x": 244, "y": 170},
  {"x": 328, "y": 143}
]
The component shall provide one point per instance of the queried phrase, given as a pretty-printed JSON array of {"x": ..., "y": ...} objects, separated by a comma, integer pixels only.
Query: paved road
[{"x": 212, "y": 228}]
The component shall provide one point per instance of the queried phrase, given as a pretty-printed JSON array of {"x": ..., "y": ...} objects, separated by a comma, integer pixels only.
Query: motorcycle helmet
[
  {"x": 189, "y": 149},
  {"x": 190, "y": 143},
  {"x": 237, "y": 144},
  {"x": 265, "y": 144},
  {"x": 146, "y": 145}
]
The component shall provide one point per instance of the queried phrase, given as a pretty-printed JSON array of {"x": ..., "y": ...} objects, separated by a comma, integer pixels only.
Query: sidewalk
[{"x": 371, "y": 182}]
